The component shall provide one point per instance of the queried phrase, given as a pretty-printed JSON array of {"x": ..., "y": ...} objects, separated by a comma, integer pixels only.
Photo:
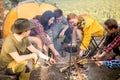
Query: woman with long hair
[{"x": 41, "y": 38}]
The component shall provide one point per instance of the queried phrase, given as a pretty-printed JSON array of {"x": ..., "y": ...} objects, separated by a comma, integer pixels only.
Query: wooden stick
[
  {"x": 83, "y": 61},
  {"x": 77, "y": 68},
  {"x": 64, "y": 68}
]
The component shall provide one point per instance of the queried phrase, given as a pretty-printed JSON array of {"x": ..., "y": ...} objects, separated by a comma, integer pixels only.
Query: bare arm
[
  {"x": 55, "y": 52},
  {"x": 63, "y": 31},
  {"x": 51, "y": 46},
  {"x": 19, "y": 58},
  {"x": 39, "y": 53}
]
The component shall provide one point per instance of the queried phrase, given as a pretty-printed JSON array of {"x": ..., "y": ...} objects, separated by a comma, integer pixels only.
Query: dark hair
[
  {"x": 44, "y": 18},
  {"x": 111, "y": 23},
  {"x": 58, "y": 13},
  {"x": 21, "y": 25},
  {"x": 37, "y": 17}
]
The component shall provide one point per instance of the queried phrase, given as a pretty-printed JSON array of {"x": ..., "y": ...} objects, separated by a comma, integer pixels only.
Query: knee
[{"x": 37, "y": 40}]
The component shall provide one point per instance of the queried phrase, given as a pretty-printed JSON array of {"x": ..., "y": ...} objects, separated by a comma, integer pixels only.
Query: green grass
[{"x": 99, "y": 9}]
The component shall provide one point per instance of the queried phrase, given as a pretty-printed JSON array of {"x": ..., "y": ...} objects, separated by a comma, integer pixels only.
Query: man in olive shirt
[{"x": 13, "y": 57}]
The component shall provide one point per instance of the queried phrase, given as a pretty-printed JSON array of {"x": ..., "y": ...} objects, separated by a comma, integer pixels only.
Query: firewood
[
  {"x": 64, "y": 68},
  {"x": 77, "y": 68},
  {"x": 82, "y": 61}
]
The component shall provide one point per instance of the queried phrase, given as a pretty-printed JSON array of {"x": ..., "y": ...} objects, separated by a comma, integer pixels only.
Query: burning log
[
  {"x": 51, "y": 72},
  {"x": 78, "y": 72},
  {"x": 82, "y": 61}
]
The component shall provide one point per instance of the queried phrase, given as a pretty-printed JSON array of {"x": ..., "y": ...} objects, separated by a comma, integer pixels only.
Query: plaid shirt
[
  {"x": 38, "y": 30},
  {"x": 112, "y": 64},
  {"x": 113, "y": 44}
]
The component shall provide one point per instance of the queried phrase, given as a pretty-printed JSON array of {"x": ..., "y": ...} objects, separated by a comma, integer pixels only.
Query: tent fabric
[
  {"x": 28, "y": 10},
  {"x": 8, "y": 22},
  {"x": 25, "y": 10}
]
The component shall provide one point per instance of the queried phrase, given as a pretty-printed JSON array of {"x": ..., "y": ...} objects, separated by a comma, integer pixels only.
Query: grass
[{"x": 99, "y": 9}]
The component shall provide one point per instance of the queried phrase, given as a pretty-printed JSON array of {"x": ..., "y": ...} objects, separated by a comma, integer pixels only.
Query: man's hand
[
  {"x": 35, "y": 57},
  {"x": 96, "y": 57},
  {"x": 51, "y": 61},
  {"x": 80, "y": 54},
  {"x": 99, "y": 63}
]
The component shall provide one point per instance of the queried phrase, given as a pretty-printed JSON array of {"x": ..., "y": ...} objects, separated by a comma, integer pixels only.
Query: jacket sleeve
[
  {"x": 113, "y": 44},
  {"x": 91, "y": 27},
  {"x": 86, "y": 32},
  {"x": 112, "y": 64},
  {"x": 85, "y": 41}
]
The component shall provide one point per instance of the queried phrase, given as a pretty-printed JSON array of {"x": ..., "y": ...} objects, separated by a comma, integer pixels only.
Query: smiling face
[
  {"x": 27, "y": 33},
  {"x": 111, "y": 25},
  {"x": 110, "y": 31},
  {"x": 51, "y": 20},
  {"x": 73, "y": 22},
  {"x": 59, "y": 19},
  {"x": 72, "y": 19}
]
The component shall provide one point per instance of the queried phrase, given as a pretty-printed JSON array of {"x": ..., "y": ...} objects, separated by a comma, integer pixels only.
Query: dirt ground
[{"x": 92, "y": 71}]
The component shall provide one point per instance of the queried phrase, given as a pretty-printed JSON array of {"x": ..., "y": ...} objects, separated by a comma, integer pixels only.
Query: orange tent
[{"x": 24, "y": 10}]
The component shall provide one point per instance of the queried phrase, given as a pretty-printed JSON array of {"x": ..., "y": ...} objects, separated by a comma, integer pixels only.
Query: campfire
[
  {"x": 63, "y": 70},
  {"x": 75, "y": 70}
]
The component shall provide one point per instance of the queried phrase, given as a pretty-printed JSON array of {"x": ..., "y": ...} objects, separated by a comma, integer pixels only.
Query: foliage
[
  {"x": 99, "y": 9},
  {"x": 12, "y": 3}
]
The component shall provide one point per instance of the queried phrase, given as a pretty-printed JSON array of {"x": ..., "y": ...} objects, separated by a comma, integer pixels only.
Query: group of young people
[{"x": 43, "y": 30}]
